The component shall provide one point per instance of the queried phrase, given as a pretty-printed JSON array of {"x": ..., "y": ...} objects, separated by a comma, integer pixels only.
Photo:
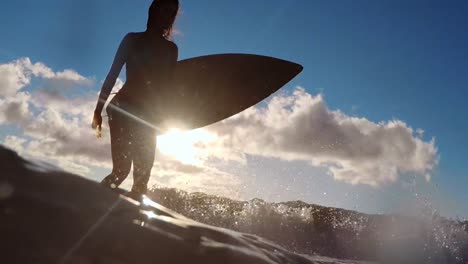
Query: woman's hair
[{"x": 155, "y": 24}]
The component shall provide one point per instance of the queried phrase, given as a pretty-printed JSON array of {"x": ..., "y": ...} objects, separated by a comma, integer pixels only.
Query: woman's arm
[{"x": 119, "y": 60}]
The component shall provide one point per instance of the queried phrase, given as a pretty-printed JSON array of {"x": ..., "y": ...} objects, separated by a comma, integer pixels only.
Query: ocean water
[{"x": 316, "y": 230}]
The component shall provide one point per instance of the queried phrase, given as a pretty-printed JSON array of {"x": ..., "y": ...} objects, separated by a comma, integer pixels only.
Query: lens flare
[{"x": 185, "y": 146}]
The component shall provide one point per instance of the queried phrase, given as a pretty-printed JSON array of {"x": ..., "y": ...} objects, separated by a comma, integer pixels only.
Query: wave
[{"x": 317, "y": 230}]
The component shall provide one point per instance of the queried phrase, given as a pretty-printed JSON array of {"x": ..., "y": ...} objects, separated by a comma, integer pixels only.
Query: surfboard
[{"x": 211, "y": 88}]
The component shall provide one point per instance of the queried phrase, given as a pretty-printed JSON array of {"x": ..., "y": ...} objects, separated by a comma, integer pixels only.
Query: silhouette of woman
[{"x": 150, "y": 58}]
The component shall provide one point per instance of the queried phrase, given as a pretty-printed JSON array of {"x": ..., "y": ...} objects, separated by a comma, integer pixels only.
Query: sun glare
[{"x": 182, "y": 145}]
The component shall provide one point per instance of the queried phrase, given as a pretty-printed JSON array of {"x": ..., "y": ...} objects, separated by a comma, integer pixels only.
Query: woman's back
[{"x": 150, "y": 62}]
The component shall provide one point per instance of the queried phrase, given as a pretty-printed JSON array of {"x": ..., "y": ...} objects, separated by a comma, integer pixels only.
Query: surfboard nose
[
  {"x": 214, "y": 87},
  {"x": 295, "y": 69},
  {"x": 299, "y": 68}
]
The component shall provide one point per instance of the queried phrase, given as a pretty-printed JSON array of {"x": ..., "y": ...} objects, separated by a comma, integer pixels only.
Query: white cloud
[
  {"x": 55, "y": 128},
  {"x": 17, "y": 74},
  {"x": 41, "y": 151},
  {"x": 13, "y": 77},
  {"x": 15, "y": 109},
  {"x": 69, "y": 137},
  {"x": 15, "y": 143},
  {"x": 168, "y": 172},
  {"x": 82, "y": 106},
  {"x": 355, "y": 150},
  {"x": 69, "y": 75}
]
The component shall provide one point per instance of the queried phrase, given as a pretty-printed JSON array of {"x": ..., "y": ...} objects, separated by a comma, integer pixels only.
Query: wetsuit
[{"x": 133, "y": 112}]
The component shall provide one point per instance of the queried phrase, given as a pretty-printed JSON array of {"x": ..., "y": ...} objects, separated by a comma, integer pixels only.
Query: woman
[{"x": 150, "y": 59}]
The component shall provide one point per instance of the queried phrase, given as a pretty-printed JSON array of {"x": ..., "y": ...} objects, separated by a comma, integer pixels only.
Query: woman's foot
[{"x": 137, "y": 196}]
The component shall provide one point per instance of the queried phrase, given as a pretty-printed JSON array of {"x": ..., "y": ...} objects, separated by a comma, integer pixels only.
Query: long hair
[{"x": 153, "y": 24}]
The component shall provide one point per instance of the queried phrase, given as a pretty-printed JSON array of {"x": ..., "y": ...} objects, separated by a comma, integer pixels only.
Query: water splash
[{"x": 317, "y": 230}]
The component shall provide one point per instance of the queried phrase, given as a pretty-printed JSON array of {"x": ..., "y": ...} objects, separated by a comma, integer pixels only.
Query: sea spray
[{"x": 318, "y": 230}]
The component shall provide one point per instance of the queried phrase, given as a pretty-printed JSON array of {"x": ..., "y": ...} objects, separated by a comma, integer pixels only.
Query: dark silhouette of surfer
[{"x": 150, "y": 58}]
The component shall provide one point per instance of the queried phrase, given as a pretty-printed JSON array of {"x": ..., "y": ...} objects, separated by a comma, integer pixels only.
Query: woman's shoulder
[
  {"x": 133, "y": 35},
  {"x": 172, "y": 44},
  {"x": 129, "y": 38}
]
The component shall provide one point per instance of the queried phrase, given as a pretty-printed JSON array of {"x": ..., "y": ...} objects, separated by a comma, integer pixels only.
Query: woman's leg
[
  {"x": 121, "y": 151},
  {"x": 143, "y": 153}
]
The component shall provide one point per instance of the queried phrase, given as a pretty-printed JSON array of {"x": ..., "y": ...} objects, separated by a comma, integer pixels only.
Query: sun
[{"x": 184, "y": 146}]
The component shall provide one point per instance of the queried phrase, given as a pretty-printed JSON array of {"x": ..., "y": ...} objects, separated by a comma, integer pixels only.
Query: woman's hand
[{"x": 96, "y": 124}]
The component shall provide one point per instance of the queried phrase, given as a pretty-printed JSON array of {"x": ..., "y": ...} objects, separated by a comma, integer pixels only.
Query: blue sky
[{"x": 380, "y": 60}]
